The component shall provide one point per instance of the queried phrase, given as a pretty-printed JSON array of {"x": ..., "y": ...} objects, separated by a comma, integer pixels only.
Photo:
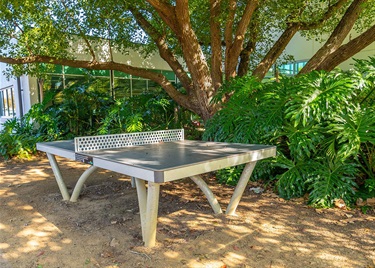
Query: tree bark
[
  {"x": 164, "y": 51},
  {"x": 178, "y": 19},
  {"x": 261, "y": 70},
  {"x": 337, "y": 37},
  {"x": 183, "y": 100},
  {"x": 234, "y": 48},
  {"x": 216, "y": 60},
  {"x": 348, "y": 50}
]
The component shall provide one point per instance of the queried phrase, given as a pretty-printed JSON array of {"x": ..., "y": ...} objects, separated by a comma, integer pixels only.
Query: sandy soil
[{"x": 38, "y": 229}]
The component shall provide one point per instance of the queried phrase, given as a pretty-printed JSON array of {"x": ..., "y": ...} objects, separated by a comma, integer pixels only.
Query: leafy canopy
[{"x": 204, "y": 42}]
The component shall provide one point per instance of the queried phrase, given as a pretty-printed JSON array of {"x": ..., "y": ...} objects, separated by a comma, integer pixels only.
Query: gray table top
[{"x": 166, "y": 161}]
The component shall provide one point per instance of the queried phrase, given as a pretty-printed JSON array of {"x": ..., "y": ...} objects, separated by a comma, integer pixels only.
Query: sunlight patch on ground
[
  {"x": 338, "y": 261},
  {"x": 25, "y": 207},
  {"x": 6, "y": 193},
  {"x": 37, "y": 233},
  {"x": 37, "y": 171},
  {"x": 171, "y": 254},
  {"x": 233, "y": 259},
  {"x": 32, "y": 175},
  {"x": 2, "y": 226},
  {"x": 4, "y": 245}
]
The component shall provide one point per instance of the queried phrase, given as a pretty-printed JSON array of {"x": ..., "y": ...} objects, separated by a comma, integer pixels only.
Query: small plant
[{"x": 229, "y": 176}]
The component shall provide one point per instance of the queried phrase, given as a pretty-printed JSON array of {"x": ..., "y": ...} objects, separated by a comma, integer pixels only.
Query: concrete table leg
[
  {"x": 58, "y": 176},
  {"x": 208, "y": 193},
  {"x": 152, "y": 213},
  {"x": 240, "y": 188},
  {"x": 80, "y": 182},
  {"x": 142, "y": 203}
]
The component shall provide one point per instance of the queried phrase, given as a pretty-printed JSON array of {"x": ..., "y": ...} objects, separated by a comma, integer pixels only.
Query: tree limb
[
  {"x": 327, "y": 15},
  {"x": 235, "y": 48},
  {"x": 216, "y": 60},
  {"x": 337, "y": 37},
  {"x": 180, "y": 98},
  {"x": 164, "y": 51},
  {"x": 261, "y": 70},
  {"x": 348, "y": 50},
  {"x": 196, "y": 60},
  {"x": 166, "y": 13},
  {"x": 228, "y": 31}
]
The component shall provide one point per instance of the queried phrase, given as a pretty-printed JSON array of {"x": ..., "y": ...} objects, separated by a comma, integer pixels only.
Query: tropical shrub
[
  {"x": 144, "y": 112},
  {"x": 323, "y": 125},
  {"x": 17, "y": 138},
  {"x": 81, "y": 110}
]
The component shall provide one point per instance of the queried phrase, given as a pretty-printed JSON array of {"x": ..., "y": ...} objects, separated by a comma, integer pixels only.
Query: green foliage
[
  {"x": 82, "y": 109},
  {"x": 323, "y": 125},
  {"x": 17, "y": 138},
  {"x": 148, "y": 111},
  {"x": 331, "y": 181},
  {"x": 229, "y": 176}
]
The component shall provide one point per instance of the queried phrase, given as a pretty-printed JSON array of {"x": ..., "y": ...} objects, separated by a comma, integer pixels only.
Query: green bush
[
  {"x": 82, "y": 109},
  {"x": 323, "y": 125},
  {"x": 18, "y": 138}
]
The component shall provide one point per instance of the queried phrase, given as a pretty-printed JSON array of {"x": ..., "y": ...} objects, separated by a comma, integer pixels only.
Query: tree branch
[
  {"x": 166, "y": 12},
  {"x": 180, "y": 98},
  {"x": 261, "y": 70},
  {"x": 195, "y": 59},
  {"x": 348, "y": 50},
  {"x": 216, "y": 60},
  {"x": 228, "y": 31},
  {"x": 243, "y": 66},
  {"x": 337, "y": 37},
  {"x": 236, "y": 47},
  {"x": 164, "y": 51},
  {"x": 330, "y": 12},
  {"x": 81, "y": 34}
]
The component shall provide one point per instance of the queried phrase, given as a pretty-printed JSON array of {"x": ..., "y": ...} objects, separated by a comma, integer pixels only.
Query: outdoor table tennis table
[{"x": 156, "y": 157}]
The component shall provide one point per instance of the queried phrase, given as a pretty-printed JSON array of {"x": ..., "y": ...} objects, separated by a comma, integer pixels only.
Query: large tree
[{"x": 203, "y": 42}]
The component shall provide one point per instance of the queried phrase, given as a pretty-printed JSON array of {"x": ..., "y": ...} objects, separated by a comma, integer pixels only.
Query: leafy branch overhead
[{"x": 204, "y": 43}]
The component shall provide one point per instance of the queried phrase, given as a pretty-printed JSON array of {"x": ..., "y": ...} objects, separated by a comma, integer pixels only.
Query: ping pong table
[{"x": 156, "y": 157}]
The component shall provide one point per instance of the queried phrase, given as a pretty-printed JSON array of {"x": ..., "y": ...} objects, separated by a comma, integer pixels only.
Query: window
[
  {"x": 292, "y": 68},
  {"x": 7, "y": 107},
  {"x": 117, "y": 84}
]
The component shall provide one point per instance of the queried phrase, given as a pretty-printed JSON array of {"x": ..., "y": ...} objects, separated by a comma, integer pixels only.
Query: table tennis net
[{"x": 92, "y": 143}]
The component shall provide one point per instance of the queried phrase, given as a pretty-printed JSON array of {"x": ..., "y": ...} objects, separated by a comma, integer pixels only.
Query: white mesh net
[{"x": 92, "y": 143}]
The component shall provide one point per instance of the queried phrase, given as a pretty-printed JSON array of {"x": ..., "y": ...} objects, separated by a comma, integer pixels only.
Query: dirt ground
[{"x": 38, "y": 229}]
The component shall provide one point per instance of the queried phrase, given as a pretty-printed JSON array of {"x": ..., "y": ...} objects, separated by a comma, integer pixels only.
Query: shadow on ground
[{"x": 37, "y": 229}]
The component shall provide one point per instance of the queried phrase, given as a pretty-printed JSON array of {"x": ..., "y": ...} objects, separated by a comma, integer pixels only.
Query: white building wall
[{"x": 130, "y": 57}]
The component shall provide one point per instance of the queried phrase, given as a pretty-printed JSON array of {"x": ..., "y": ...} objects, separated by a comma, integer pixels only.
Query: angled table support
[
  {"x": 60, "y": 181},
  {"x": 240, "y": 188},
  {"x": 58, "y": 176},
  {"x": 156, "y": 163}
]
